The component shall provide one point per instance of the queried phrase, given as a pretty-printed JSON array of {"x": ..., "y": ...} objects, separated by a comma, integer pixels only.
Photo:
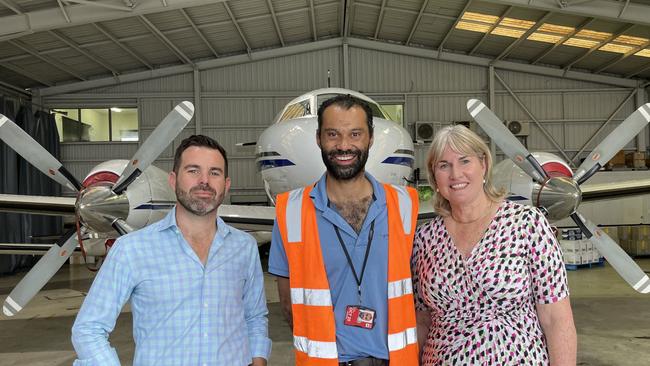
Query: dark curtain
[{"x": 19, "y": 177}]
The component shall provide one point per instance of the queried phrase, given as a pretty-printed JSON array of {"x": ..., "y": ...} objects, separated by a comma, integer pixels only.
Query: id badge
[{"x": 359, "y": 316}]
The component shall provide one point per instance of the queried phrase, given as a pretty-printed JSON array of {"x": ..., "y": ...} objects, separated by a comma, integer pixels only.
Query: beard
[
  {"x": 349, "y": 171},
  {"x": 198, "y": 206}
]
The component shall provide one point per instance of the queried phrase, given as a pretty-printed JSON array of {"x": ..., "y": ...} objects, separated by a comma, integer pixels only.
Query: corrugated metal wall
[{"x": 239, "y": 101}]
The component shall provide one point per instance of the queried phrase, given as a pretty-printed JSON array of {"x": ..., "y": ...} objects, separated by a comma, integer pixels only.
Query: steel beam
[
  {"x": 599, "y": 45},
  {"x": 122, "y": 45},
  {"x": 524, "y": 36},
  {"x": 275, "y": 21},
  {"x": 453, "y": 26},
  {"x": 76, "y": 47},
  {"x": 539, "y": 125},
  {"x": 45, "y": 59},
  {"x": 313, "y": 19},
  {"x": 405, "y": 11},
  {"x": 485, "y": 62},
  {"x": 63, "y": 11},
  {"x": 582, "y": 26},
  {"x": 603, "y": 9},
  {"x": 416, "y": 22},
  {"x": 234, "y": 22},
  {"x": 380, "y": 18},
  {"x": 48, "y": 19},
  {"x": 25, "y": 73},
  {"x": 198, "y": 32},
  {"x": 622, "y": 57},
  {"x": 202, "y": 65},
  {"x": 487, "y": 34},
  {"x": 12, "y": 6},
  {"x": 169, "y": 44}
]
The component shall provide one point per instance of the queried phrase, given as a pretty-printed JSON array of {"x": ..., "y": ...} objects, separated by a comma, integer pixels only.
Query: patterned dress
[{"x": 483, "y": 307}]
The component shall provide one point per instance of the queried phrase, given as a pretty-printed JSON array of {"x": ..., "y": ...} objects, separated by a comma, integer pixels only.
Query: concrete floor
[{"x": 613, "y": 321}]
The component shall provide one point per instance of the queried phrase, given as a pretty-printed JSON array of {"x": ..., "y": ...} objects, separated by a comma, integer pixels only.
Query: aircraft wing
[
  {"x": 252, "y": 218},
  {"x": 38, "y": 205},
  {"x": 621, "y": 188}
]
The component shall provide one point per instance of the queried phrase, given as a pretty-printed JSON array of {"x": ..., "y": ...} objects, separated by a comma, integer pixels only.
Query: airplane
[
  {"x": 544, "y": 180},
  {"x": 119, "y": 196},
  {"x": 287, "y": 158}
]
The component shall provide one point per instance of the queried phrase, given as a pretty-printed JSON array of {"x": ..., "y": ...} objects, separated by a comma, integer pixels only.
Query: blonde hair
[{"x": 463, "y": 141}]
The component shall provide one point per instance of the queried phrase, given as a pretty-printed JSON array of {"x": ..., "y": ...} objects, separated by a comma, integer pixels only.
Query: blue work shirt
[
  {"x": 352, "y": 342},
  {"x": 184, "y": 313}
]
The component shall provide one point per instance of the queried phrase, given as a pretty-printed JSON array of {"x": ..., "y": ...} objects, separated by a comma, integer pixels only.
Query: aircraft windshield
[
  {"x": 299, "y": 109},
  {"x": 376, "y": 111}
]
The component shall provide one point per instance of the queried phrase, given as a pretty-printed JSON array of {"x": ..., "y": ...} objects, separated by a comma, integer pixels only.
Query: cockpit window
[
  {"x": 376, "y": 110},
  {"x": 296, "y": 110}
]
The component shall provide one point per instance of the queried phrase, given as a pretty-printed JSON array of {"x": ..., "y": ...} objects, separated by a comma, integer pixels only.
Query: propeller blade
[
  {"x": 35, "y": 154},
  {"x": 614, "y": 142},
  {"x": 617, "y": 258},
  {"x": 38, "y": 276},
  {"x": 121, "y": 226},
  {"x": 508, "y": 143},
  {"x": 158, "y": 141}
]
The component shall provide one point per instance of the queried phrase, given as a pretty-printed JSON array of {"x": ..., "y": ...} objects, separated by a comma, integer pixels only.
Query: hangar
[{"x": 562, "y": 74}]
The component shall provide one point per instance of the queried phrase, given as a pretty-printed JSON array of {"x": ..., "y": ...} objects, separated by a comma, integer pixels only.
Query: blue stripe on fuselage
[
  {"x": 399, "y": 160},
  {"x": 273, "y": 163}
]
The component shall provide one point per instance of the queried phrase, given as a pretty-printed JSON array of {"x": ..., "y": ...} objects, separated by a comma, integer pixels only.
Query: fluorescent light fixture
[{"x": 116, "y": 109}]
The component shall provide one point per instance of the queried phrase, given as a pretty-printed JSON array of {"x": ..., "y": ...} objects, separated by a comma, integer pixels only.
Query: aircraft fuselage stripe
[
  {"x": 399, "y": 160},
  {"x": 273, "y": 163}
]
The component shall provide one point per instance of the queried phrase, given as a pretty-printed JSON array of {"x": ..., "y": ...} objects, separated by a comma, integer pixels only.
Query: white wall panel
[
  {"x": 379, "y": 72},
  {"x": 298, "y": 73}
]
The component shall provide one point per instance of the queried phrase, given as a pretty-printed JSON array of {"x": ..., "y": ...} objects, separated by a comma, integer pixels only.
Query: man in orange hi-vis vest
[{"x": 341, "y": 250}]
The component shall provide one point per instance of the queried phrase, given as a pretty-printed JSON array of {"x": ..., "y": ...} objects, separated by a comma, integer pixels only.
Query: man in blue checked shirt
[{"x": 195, "y": 284}]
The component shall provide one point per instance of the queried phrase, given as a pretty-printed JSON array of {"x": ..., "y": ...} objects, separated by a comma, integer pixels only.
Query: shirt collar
[
  {"x": 169, "y": 221},
  {"x": 319, "y": 193}
]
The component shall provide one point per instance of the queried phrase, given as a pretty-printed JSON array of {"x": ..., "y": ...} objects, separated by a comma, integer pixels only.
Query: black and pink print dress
[{"x": 483, "y": 307}]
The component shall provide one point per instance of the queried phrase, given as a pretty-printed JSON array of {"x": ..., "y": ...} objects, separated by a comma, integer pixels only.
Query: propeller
[
  {"x": 99, "y": 208},
  {"x": 560, "y": 196},
  {"x": 158, "y": 141},
  {"x": 35, "y": 154},
  {"x": 613, "y": 143},
  {"x": 623, "y": 264},
  {"x": 514, "y": 149},
  {"x": 38, "y": 276}
]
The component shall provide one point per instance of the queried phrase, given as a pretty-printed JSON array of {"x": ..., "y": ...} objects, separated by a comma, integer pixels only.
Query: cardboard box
[
  {"x": 617, "y": 160},
  {"x": 635, "y": 159}
]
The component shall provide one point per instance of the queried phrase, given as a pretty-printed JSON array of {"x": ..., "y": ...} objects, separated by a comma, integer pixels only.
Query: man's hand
[{"x": 259, "y": 361}]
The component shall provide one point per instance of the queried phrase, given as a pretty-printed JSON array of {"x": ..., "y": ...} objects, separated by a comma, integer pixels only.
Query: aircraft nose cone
[
  {"x": 98, "y": 207},
  {"x": 560, "y": 196}
]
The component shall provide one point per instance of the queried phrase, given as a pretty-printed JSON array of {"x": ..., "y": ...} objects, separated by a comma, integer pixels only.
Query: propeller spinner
[
  {"x": 102, "y": 207},
  {"x": 559, "y": 195}
]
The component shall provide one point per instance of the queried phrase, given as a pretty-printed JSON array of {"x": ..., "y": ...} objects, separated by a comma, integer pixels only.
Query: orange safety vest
[{"x": 314, "y": 329}]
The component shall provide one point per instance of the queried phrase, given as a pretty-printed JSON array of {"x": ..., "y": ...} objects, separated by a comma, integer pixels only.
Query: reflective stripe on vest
[
  {"x": 312, "y": 297},
  {"x": 405, "y": 206},
  {"x": 400, "y": 288},
  {"x": 315, "y": 349},
  {"x": 400, "y": 340},
  {"x": 294, "y": 215}
]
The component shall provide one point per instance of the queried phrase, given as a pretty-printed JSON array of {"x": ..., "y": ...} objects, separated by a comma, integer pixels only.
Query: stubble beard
[
  {"x": 345, "y": 172},
  {"x": 197, "y": 206}
]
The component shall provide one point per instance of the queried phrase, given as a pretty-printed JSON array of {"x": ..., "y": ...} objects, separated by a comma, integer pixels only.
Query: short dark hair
[
  {"x": 200, "y": 141},
  {"x": 346, "y": 101}
]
